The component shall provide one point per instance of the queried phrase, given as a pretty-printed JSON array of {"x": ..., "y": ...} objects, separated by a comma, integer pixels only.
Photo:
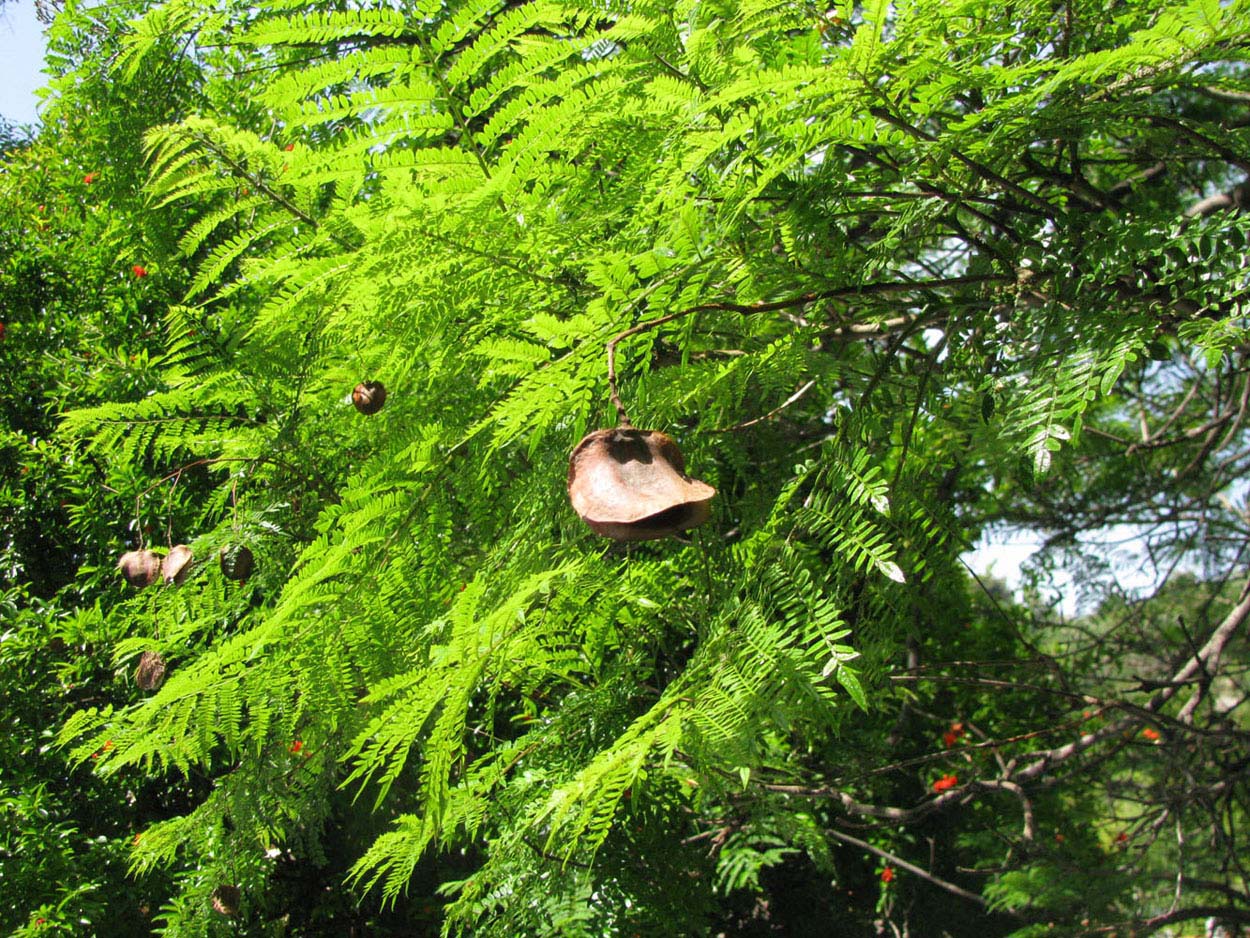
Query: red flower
[
  {"x": 950, "y": 737},
  {"x": 139, "y": 270},
  {"x": 289, "y": 147},
  {"x": 1151, "y": 734},
  {"x": 41, "y": 921},
  {"x": 1121, "y": 838},
  {"x": 108, "y": 744},
  {"x": 945, "y": 783},
  {"x": 887, "y": 875},
  {"x": 296, "y": 747},
  {"x": 90, "y": 177},
  {"x": 1, "y": 330}
]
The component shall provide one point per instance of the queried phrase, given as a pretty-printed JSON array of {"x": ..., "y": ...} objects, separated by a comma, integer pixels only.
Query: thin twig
[
  {"x": 902, "y": 864},
  {"x": 747, "y": 309},
  {"x": 772, "y": 413}
]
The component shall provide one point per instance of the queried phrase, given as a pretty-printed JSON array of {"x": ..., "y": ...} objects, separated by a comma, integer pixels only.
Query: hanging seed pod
[
  {"x": 236, "y": 562},
  {"x": 151, "y": 671},
  {"x": 369, "y": 396},
  {"x": 177, "y": 564},
  {"x": 226, "y": 899},
  {"x": 631, "y": 485},
  {"x": 140, "y": 567}
]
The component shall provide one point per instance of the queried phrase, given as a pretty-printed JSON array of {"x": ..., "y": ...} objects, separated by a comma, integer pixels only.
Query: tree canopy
[{"x": 891, "y": 276}]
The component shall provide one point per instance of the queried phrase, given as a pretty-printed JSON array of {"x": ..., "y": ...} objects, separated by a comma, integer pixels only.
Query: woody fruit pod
[
  {"x": 150, "y": 673},
  {"x": 368, "y": 397},
  {"x": 140, "y": 567},
  {"x": 177, "y": 564},
  {"x": 631, "y": 485},
  {"x": 226, "y": 899},
  {"x": 236, "y": 563}
]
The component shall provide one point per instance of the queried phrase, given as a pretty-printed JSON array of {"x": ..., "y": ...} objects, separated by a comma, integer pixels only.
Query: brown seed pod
[
  {"x": 140, "y": 567},
  {"x": 631, "y": 485},
  {"x": 151, "y": 671},
  {"x": 177, "y": 564},
  {"x": 369, "y": 396},
  {"x": 226, "y": 899},
  {"x": 236, "y": 562}
]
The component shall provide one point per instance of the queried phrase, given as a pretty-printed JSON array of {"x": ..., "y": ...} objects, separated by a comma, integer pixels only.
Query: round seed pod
[
  {"x": 151, "y": 671},
  {"x": 226, "y": 899},
  {"x": 177, "y": 564},
  {"x": 236, "y": 562},
  {"x": 631, "y": 485},
  {"x": 369, "y": 396},
  {"x": 140, "y": 567}
]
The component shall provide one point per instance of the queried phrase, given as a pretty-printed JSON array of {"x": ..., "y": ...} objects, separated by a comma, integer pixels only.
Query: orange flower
[
  {"x": 289, "y": 147},
  {"x": 945, "y": 783},
  {"x": 90, "y": 177},
  {"x": 139, "y": 270},
  {"x": 887, "y": 875},
  {"x": 296, "y": 747},
  {"x": 108, "y": 744},
  {"x": 1151, "y": 734}
]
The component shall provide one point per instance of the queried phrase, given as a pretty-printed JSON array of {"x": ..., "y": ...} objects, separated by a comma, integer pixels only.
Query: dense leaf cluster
[{"x": 891, "y": 274}]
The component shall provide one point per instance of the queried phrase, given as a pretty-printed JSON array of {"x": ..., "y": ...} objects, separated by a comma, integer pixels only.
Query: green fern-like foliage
[{"x": 838, "y": 220}]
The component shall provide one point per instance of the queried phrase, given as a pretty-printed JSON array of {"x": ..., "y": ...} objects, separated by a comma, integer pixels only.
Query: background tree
[{"x": 890, "y": 274}]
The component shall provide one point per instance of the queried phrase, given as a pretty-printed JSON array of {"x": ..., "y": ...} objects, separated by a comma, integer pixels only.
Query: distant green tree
[{"x": 83, "y": 289}]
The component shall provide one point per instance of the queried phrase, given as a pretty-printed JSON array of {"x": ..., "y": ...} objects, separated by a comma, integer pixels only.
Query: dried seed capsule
[
  {"x": 236, "y": 562},
  {"x": 631, "y": 485},
  {"x": 140, "y": 567},
  {"x": 151, "y": 671},
  {"x": 177, "y": 564},
  {"x": 226, "y": 899},
  {"x": 369, "y": 396}
]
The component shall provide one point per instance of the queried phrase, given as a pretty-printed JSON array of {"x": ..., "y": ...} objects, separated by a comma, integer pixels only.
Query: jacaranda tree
[{"x": 886, "y": 274}]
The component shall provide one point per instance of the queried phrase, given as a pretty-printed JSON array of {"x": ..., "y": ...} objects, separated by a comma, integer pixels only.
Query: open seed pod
[
  {"x": 226, "y": 899},
  {"x": 177, "y": 564},
  {"x": 369, "y": 396},
  {"x": 140, "y": 567},
  {"x": 631, "y": 485},
  {"x": 236, "y": 562},
  {"x": 151, "y": 671}
]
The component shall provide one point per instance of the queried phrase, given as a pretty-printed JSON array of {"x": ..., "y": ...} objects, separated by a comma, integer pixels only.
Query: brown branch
[
  {"x": 1031, "y": 198},
  {"x": 1235, "y": 198},
  {"x": 258, "y": 182},
  {"x": 1210, "y": 652},
  {"x": 1224, "y": 153},
  {"x": 1125, "y": 186},
  {"x": 1227, "y": 913},
  {"x": 772, "y": 413},
  {"x": 910, "y": 867},
  {"x": 747, "y": 309}
]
